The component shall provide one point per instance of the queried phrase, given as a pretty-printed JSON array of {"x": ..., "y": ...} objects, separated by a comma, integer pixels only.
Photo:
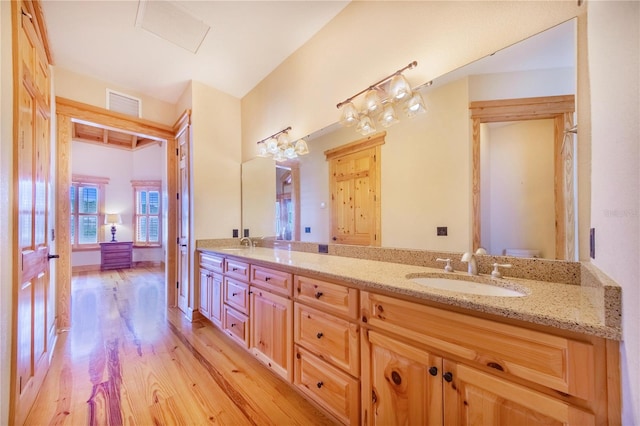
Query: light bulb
[
  {"x": 388, "y": 117},
  {"x": 272, "y": 146},
  {"x": 366, "y": 126},
  {"x": 414, "y": 105}
]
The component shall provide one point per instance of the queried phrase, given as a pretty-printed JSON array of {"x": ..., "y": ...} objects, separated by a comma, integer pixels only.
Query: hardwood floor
[{"x": 129, "y": 360}]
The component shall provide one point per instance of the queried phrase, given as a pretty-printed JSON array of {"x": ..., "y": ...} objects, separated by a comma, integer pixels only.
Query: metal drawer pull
[
  {"x": 319, "y": 335},
  {"x": 234, "y": 294},
  {"x": 320, "y": 384},
  {"x": 318, "y": 294},
  {"x": 267, "y": 278},
  {"x": 433, "y": 371},
  {"x": 448, "y": 377}
]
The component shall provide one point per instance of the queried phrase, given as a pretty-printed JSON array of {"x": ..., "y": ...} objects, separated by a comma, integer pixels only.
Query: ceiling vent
[
  {"x": 125, "y": 104},
  {"x": 171, "y": 22}
]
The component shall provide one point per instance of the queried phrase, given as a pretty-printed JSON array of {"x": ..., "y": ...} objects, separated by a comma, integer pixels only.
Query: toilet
[{"x": 522, "y": 252}]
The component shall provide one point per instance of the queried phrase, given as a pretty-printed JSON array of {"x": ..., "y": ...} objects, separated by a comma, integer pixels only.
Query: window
[
  {"x": 86, "y": 197},
  {"x": 148, "y": 212}
]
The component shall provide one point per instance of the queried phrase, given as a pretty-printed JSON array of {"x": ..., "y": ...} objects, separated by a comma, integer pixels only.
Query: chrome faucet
[
  {"x": 470, "y": 258},
  {"x": 247, "y": 240}
]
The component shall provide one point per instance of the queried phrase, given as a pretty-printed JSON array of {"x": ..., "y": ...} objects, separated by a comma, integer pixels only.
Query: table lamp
[{"x": 112, "y": 218}]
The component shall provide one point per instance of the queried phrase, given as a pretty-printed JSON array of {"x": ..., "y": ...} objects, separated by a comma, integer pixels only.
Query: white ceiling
[{"x": 247, "y": 40}]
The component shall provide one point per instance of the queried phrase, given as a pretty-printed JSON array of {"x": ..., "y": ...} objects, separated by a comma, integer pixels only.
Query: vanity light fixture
[
  {"x": 280, "y": 147},
  {"x": 381, "y": 101}
]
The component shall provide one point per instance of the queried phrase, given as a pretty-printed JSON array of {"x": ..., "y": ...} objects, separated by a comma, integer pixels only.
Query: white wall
[
  {"x": 86, "y": 89},
  {"x": 303, "y": 91},
  {"x": 614, "y": 56},
  {"x": 517, "y": 187},
  {"x": 6, "y": 220},
  {"x": 215, "y": 163},
  {"x": 120, "y": 166}
]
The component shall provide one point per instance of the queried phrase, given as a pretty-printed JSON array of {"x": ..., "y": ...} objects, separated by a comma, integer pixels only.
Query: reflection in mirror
[
  {"x": 258, "y": 197},
  {"x": 427, "y": 160},
  {"x": 287, "y": 203}
]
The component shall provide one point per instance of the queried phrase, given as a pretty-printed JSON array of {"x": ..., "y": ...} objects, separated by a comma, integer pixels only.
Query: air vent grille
[{"x": 125, "y": 104}]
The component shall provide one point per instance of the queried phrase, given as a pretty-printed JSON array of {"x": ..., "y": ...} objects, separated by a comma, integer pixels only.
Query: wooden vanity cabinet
[
  {"x": 210, "y": 306},
  {"x": 272, "y": 331},
  {"x": 424, "y": 365},
  {"x": 326, "y": 336}
]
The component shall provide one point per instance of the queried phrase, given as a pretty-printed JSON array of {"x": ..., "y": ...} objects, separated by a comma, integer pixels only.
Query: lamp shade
[
  {"x": 399, "y": 87},
  {"x": 112, "y": 218},
  {"x": 349, "y": 115}
]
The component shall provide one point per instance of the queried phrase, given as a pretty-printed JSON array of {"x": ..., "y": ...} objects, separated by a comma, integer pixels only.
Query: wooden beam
[
  {"x": 105, "y": 136},
  {"x": 134, "y": 141},
  {"x": 103, "y": 118}
]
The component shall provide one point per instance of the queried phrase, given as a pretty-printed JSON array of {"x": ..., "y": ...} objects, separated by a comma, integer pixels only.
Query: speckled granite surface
[{"x": 591, "y": 307}]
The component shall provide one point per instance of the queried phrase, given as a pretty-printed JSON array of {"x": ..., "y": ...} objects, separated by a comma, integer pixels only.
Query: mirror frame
[{"x": 559, "y": 108}]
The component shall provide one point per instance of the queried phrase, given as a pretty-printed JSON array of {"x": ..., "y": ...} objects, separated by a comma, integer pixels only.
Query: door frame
[
  {"x": 68, "y": 112},
  {"x": 558, "y": 108}
]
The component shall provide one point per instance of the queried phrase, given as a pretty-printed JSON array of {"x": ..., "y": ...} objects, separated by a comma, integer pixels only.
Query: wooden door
[
  {"x": 354, "y": 185},
  {"x": 401, "y": 384},
  {"x": 271, "y": 331},
  {"x": 216, "y": 299},
  {"x": 472, "y": 397},
  {"x": 34, "y": 321},
  {"x": 183, "y": 284}
]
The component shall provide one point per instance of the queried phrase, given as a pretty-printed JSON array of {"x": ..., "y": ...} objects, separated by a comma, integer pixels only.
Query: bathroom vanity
[{"x": 369, "y": 345}]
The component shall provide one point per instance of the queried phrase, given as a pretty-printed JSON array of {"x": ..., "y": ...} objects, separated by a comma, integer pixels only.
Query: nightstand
[{"x": 116, "y": 255}]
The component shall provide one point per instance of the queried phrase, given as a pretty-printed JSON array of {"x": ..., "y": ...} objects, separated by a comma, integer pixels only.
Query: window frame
[
  {"x": 146, "y": 185},
  {"x": 100, "y": 183}
]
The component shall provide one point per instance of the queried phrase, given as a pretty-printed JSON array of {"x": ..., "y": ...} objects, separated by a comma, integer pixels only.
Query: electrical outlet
[
  {"x": 307, "y": 229},
  {"x": 323, "y": 248},
  {"x": 441, "y": 231},
  {"x": 592, "y": 243},
  {"x": 245, "y": 233},
  {"x": 235, "y": 233}
]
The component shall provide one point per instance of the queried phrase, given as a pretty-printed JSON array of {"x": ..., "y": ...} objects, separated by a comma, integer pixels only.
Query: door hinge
[
  {"x": 177, "y": 240},
  {"x": 375, "y": 237},
  {"x": 28, "y": 15},
  {"x": 177, "y": 195},
  {"x": 177, "y": 284},
  {"x": 177, "y": 152}
]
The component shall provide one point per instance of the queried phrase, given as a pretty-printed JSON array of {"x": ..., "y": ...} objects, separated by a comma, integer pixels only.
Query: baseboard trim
[{"x": 84, "y": 268}]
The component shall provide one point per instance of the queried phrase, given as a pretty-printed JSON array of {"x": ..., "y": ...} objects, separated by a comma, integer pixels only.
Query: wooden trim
[
  {"x": 548, "y": 107},
  {"x": 359, "y": 145},
  {"x": 522, "y": 108},
  {"x": 614, "y": 387},
  {"x": 103, "y": 118},
  {"x": 63, "y": 246},
  {"x": 84, "y": 268},
  {"x": 155, "y": 184},
  {"x": 96, "y": 180}
]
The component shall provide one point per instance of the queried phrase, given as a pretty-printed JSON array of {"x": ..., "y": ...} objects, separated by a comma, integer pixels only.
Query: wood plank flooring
[{"x": 129, "y": 360}]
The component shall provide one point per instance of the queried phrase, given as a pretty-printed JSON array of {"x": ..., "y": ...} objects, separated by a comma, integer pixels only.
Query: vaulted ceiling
[{"x": 148, "y": 45}]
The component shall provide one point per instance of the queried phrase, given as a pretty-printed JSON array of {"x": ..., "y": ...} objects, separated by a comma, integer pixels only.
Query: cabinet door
[
  {"x": 216, "y": 299},
  {"x": 401, "y": 384},
  {"x": 205, "y": 293},
  {"x": 472, "y": 397},
  {"x": 272, "y": 330}
]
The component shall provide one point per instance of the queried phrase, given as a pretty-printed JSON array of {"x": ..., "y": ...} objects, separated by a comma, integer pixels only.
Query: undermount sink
[{"x": 468, "y": 286}]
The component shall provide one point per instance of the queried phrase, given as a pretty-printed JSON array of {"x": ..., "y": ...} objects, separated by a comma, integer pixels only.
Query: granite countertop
[{"x": 563, "y": 306}]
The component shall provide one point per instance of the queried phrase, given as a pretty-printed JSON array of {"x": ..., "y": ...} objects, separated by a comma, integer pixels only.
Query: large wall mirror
[{"x": 427, "y": 162}]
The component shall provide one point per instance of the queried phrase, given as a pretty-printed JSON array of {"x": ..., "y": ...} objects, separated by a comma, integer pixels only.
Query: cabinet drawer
[
  {"x": 330, "y": 338},
  {"x": 212, "y": 262},
  {"x": 333, "y": 389},
  {"x": 236, "y": 325},
  {"x": 553, "y": 361},
  {"x": 330, "y": 297},
  {"x": 236, "y": 269},
  {"x": 271, "y": 279},
  {"x": 236, "y": 295}
]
